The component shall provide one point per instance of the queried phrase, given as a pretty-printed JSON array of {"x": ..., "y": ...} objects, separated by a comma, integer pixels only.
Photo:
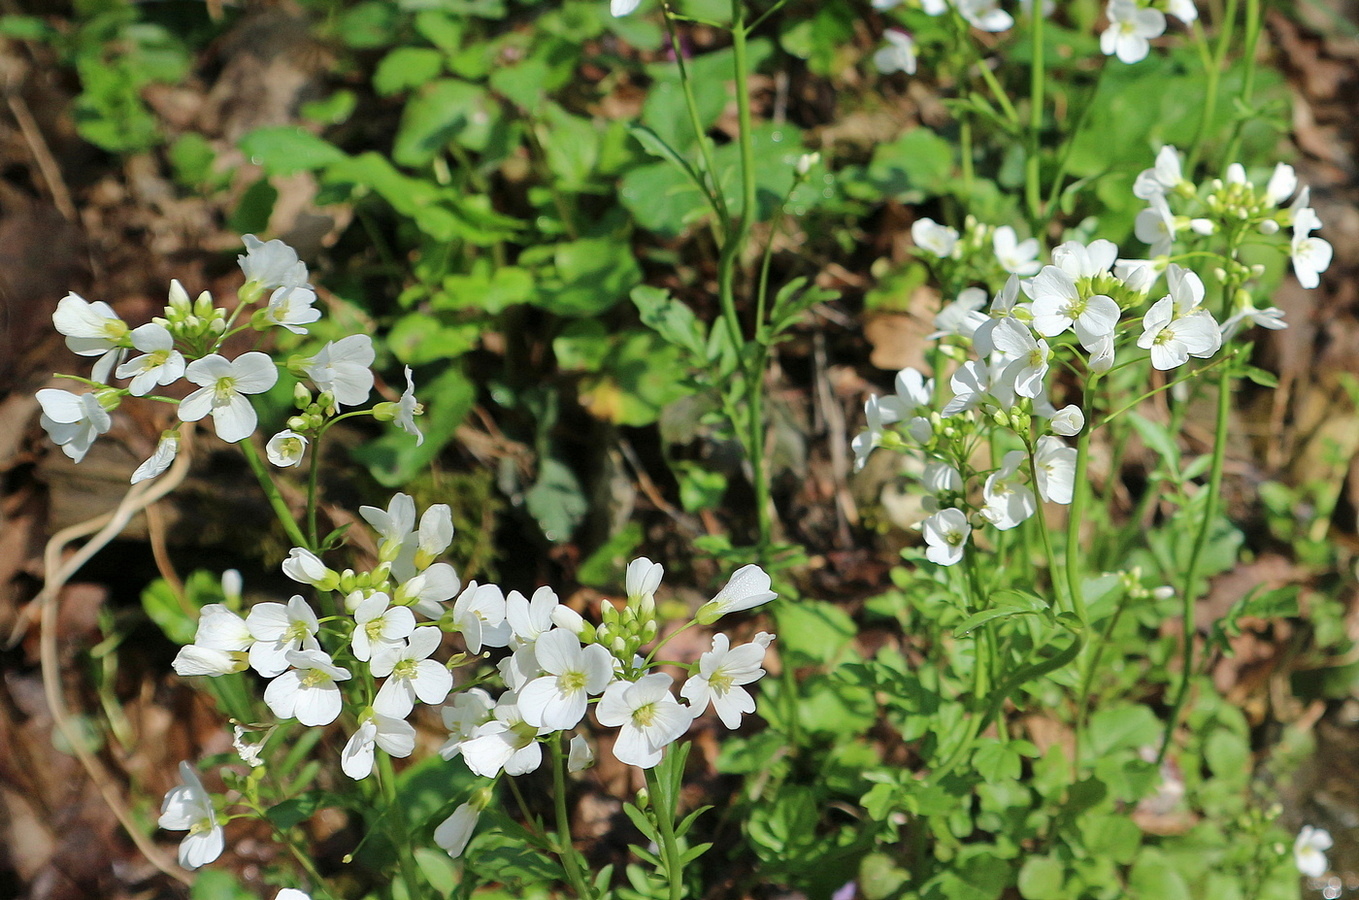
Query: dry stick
[
  {"x": 42, "y": 154},
  {"x": 137, "y": 498}
]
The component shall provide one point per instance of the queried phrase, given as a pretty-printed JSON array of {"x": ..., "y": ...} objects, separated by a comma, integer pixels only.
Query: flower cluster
[
  {"x": 373, "y": 659},
  {"x": 188, "y": 343},
  {"x": 1132, "y": 25},
  {"x": 1232, "y": 207}
]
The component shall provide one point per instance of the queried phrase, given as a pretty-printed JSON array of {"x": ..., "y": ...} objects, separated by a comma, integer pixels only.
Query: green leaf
[
  {"x": 671, "y": 319},
  {"x": 1042, "y": 878},
  {"x": 487, "y": 289},
  {"x": 163, "y": 607},
  {"x": 394, "y": 459},
  {"x": 813, "y": 630},
  {"x": 441, "y": 112},
  {"x": 218, "y": 884},
  {"x": 915, "y": 166},
  {"x": 655, "y": 145},
  {"x": 641, "y": 822},
  {"x": 1159, "y": 439},
  {"x": 556, "y": 500},
  {"x": 571, "y": 144},
  {"x": 287, "y": 149},
  {"x": 1006, "y": 604},
  {"x": 417, "y": 339},
  {"x": 293, "y": 812},
  {"x": 1125, "y": 727},
  {"x": 1154, "y": 878},
  {"x": 439, "y": 870},
  {"x": 406, "y": 68},
  {"x": 592, "y": 275}
]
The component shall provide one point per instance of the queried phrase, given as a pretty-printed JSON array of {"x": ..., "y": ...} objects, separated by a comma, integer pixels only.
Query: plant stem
[
  {"x": 665, "y": 823},
  {"x": 1214, "y": 75},
  {"x": 1080, "y": 494},
  {"x": 280, "y": 506},
  {"x": 566, "y": 850},
  {"x": 1033, "y": 187},
  {"x": 1188, "y": 593},
  {"x": 405, "y": 860}
]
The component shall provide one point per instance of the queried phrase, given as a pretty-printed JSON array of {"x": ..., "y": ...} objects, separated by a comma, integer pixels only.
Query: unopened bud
[
  {"x": 301, "y": 396},
  {"x": 568, "y": 618}
]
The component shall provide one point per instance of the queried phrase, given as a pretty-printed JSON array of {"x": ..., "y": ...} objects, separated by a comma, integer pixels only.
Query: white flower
[
  {"x": 73, "y": 421},
  {"x": 650, "y": 718},
  {"x": 1009, "y": 501},
  {"x": 342, "y": 368},
  {"x": 506, "y": 742},
  {"x": 1130, "y": 27},
  {"x": 641, "y": 580},
  {"x": 286, "y": 449},
  {"x": 556, "y": 701},
  {"x": 160, "y": 362},
  {"x": 721, "y": 672},
  {"x": 1156, "y": 226},
  {"x": 945, "y": 534},
  {"x": 221, "y": 629},
  {"x": 1085, "y": 261},
  {"x": 1248, "y": 316},
  {"x": 479, "y": 614},
  {"x": 91, "y": 329},
  {"x": 378, "y": 624},
  {"x": 195, "y": 660},
  {"x": 1311, "y": 255},
  {"x": 938, "y": 239},
  {"x": 1068, "y": 421},
  {"x": 279, "y": 630},
  {"x": 306, "y": 567},
  {"x": 984, "y": 15},
  {"x": 454, "y": 832},
  {"x": 407, "y": 408},
  {"x": 1163, "y": 178},
  {"x": 394, "y": 525},
  {"x": 1029, "y": 357},
  {"x": 248, "y": 752},
  {"x": 167, "y": 448},
  {"x": 1173, "y": 340},
  {"x": 427, "y": 591},
  {"x": 529, "y": 618},
  {"x": 1184, "y": 10},
  {"x": 620, "y": 8},
  {"x": 292, "y": 894},
  {"x": 271, "y": 264},
  {"x": 395, "y": 736},
  {"x": 747, "y": 588},
  {"x": 188, "y": 807},
  {"x": 1186, "y": 289},
  {"x": 307, "y": 691},
  {"x": 223, "y": 386},
  {"x": 940, "y": 477},
  {"x": 898, "y": 55},
  {"x": 470, "y": 710},
  {"x": 961, "y": 317},
  {"x": 879, "y": 412},
  {"x": 1054, "y": 464},
  {"x": 1058, "y": 305},
  {"x": 411, "y": 674},
  {"x": 1309, "y": 851},
  {"x": 434, "y": 535},
  {"x": 1015, "y": 256},
  {"x": 579, "y": 756},
  {"x": 291, "y": 308},
  {"x": 1282, "y": 183}
]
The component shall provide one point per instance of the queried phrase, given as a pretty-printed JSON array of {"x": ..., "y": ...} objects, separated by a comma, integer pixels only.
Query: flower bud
[
  {"x": 568, "y": 618},
  {"x": 301, "y": 396}
]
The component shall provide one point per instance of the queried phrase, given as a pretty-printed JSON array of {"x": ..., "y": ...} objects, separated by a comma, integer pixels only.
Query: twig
[
  {"x": 42, "y": 154},
  {"x": 138, "y": 498}
]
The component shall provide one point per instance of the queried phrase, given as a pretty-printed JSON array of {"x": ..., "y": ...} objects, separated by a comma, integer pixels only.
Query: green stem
[
  {"x": 709, "y": 173},
  {"x": 313, "y": 483},
  {"x": 410, "y": 873},
  {"x": 1214, "y": 76},
  {"x": 280, "y": 506},
  {"x": 1080, "y": 495},
  {"x": 669, "y": 847},
  {"x": 566, "y": 850},
  {"x": 1041, "y": 517},
  {"x": 1253, "y": 14},
  {"x": 1188, "y": 592},
  {"x": 1033, "y": 187},
  {"x": 1088, "y": 680}
]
